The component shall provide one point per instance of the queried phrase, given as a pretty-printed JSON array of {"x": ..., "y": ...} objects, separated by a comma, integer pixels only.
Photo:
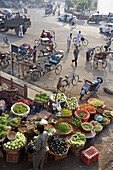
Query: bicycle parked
[
  {"x": 83, "y": 41},
  {"x": 69, "y": 79},
  {"x": 100, "y": 58}
]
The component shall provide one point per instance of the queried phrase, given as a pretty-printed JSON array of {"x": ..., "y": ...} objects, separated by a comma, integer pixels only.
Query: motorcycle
[{"x": 90, "y": 87}]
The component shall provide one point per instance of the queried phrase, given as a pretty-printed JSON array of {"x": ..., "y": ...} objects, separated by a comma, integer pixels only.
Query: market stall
[{"x": 69, "y": 126}]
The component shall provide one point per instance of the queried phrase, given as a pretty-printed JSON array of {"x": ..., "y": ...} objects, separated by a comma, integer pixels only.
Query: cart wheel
[
  {"x": 35, "y": 76},
  {"x": 58, "y": 69},
  {"x": 62, "y": 86},
  {"x": 75, "y": 80},
  {"x": 95, "y": 64},
  {"x": 4, "y": 63},
  {"x": 85, "y": 42},
  {"x": 104, "y": 64},
  {"x": 37, "y": 42}
]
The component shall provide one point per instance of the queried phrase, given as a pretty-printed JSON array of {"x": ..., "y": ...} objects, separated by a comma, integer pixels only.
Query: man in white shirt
[
  {"x": 77, "y": 40},
  {"x": 69, "y": 38}
]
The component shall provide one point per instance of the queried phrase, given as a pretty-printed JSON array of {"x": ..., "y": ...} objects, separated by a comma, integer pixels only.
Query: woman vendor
[{"x": 40, "y": 147}]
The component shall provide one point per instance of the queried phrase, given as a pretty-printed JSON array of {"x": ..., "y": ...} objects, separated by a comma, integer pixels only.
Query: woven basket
[{"x": 11, "y": 135}]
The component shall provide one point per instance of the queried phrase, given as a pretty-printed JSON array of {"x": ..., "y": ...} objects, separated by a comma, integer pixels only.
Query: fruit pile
[
  {"x": 71, "y": 104},
  {"x": 17, "y": 143},
  {"x": 58, "y": 145},
  {"x": 41, "y": 97}
]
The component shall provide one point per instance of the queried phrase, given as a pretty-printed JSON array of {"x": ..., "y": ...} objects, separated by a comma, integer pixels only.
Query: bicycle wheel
[
  {"x": 85, "y": 42},
  {"x": 35, "y": 75},
  {"x": 37, "y": 42},
  {"x": 104, "y": 64},
  {"x": 75, "y": 80},
  {"x": 97, "y": 49},
  {"x": 62, "y": 86},
  {"x": 95, "y": 64},
  {"x": 4, "y": 63},
  {"x": 58, "y": 69}
]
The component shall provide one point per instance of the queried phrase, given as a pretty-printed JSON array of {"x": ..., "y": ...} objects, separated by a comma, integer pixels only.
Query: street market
[{"x": 36, "y": 92}]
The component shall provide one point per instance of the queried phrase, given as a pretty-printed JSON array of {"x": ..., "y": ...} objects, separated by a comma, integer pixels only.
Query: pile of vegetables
[
  {"x": 13, "y": 122},
  {"x": 88, "y": 107},
  {"x": 3, "y": 132},
  {"x": 60, "y": 96},
  {"x": 77, "y": 140},
  {"x": 58, "y": 145},
  {"x": 66, "y": 112},
  {"x": 87, "y": 126},
  {"x": 104, "y": 120},
  {"x": 41, "y": 97},
  {"x": 107, "y": 113},
  {"x": 20, "y": 109},
  {"x": 63, "y": 127},
  {"x": 75, "y": 122},
  {"x": 17, "y": 143},
  {"x": 71, "y": 104},
  {"x": 82, "y": 114},
  {"x": 96, "y": 102}
]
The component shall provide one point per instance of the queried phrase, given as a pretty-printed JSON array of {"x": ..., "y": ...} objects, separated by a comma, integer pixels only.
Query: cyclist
[{"x": 77, "y": 40}]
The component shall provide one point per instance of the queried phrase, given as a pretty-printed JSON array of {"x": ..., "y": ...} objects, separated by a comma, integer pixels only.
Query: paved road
[{"x": 103, "y": 142}]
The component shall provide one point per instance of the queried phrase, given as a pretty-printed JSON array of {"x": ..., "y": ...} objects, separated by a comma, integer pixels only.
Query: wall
[{"x": 105, "y": 6}]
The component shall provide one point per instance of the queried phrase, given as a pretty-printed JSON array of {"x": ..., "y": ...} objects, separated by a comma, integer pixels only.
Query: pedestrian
[
  {"x": 65, "y": 18},
  {"x": 20, "y": 30},
  {"x": 77, "y": 40},
  {"x": 40, "y": 147},
  {"x": 69, "y": 41},
  {"x": 89, "y": 52},
  {"x": 108, "y": 44},
  {"x": 75, "y": 52},
  {"x": 58, "y": 12},
  {"x": 34, "y": 54}
]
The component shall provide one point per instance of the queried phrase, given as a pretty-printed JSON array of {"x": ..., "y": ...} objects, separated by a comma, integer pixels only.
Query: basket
[
  {"x": 106, "y": 115},
  {"x": 51, "y": 97},
  {"x": 20, "y": 103},
  {"x": 87, "y": 124},
  {"x": 83, "y": 119},
  {"x": 71, "y": 130},
  {"x": 108, "y": 120},
  {"x": 68, "y": 115},
  {"x": 92, "y": 99},
  {"x": 11, "y": 135},
  {"x": 85, "y": 105},
  {"x": 41, "y": 103}
]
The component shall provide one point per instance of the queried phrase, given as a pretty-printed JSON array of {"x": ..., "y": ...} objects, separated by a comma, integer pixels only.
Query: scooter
[{"x": 90, "y": 87}]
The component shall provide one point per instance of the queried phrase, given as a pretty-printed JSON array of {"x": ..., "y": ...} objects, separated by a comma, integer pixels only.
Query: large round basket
[
  {"x": 71, "y": 129},
  {"x": 104, "y": 114},
  {"x": 108, "y": 120},
  {"x": 11, "y": 135},
  {"x": 68, "y": 115},
  {"x": 20, "y": 103},
  {"x": 85, "y": 106},
  {"x": 81, "y": 111},
  {"x": 87, "y": 123},
  {"x": 10, "y": 150},
  {"x": 51, "y": 97},
  {"x": 92, "y": 99}
]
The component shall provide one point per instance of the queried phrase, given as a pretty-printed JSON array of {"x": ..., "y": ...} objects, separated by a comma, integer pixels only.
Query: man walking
[
  {"x": 69, "y": 38},
  {"x": 76, "y": 52}
]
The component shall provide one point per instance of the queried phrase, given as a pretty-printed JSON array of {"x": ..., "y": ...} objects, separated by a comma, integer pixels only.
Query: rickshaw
[{"x": 100, "y": 58}]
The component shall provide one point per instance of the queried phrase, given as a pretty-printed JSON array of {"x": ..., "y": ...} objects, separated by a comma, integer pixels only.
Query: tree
[{"x": 69, "y": 3}]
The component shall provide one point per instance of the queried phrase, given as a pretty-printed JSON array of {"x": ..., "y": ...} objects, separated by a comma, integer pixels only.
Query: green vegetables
[
  {"x": 75, "y": 122},
  {"x": 60, "y": 96},
  {"x": 82, "y": 114},
  {"x": 58, "y": 145},
  {"x": 47, "y": 129},
  {"x": 104, "y": 120},
  {"x": 98, "y": 127},
  {"x": 63, "y": 127},
  {"x": 41, "y": 97},
  {"x": 20, "y": 109},
  {"x": 77, "y": 140},
  {"x": 2, "y": 131},
  {"x": 17, "y": 143},
  {"x": 96, "y": 102},
  {"x": 71, "y": 104},
  {"x": 86, "y": 126},
  {"x": 107, "y": 113},
  {"x": 65, "y": 112}
]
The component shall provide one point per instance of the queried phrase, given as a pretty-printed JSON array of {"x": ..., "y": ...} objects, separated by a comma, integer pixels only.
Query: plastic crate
[{"x": 90, "y": 155}]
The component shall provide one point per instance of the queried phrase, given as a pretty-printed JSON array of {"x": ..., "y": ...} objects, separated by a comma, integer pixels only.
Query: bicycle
[
  {"x": 44, "y": 42},
  {"x": 84, "y": 41},
  {"x": 5, "y": 42},
  {"x": 100, "y": 58},
  {"x": 98, "y": 49},
  {"x": 72, "y": 79}
]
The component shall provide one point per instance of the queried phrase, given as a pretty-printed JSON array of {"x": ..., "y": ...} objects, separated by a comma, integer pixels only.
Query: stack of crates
[{"x": 90, "y": 155}]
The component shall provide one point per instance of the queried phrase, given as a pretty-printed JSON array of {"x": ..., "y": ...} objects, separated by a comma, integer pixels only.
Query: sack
[{"x": 30, "y": 148}]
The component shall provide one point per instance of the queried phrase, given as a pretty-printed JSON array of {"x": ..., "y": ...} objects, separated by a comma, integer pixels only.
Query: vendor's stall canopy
[{"x": 105, "y": 6}]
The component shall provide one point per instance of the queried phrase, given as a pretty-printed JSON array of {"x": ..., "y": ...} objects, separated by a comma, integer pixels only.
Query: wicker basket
[
  {"x": 92, "y": 99},
  {"x": 108, "y": 120},
  {"x": 11, "y": 135}
]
